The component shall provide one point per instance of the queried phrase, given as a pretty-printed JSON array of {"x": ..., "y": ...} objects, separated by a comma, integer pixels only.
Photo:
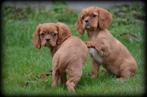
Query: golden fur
[
  {"x": 69, "y": 52},
  {"x": 103, "y": 47}
]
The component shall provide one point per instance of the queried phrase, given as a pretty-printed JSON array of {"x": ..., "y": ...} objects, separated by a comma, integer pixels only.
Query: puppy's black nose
[
  {"x": 86, "y": 21},
  {"x": 47, "y": 39}
]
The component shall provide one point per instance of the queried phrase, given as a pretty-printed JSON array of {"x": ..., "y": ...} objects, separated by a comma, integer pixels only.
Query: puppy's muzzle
[
  {"x": 86, "y": 21},
  {"x": 87, "y": 24},
  {"x": 47, "y": 39}
]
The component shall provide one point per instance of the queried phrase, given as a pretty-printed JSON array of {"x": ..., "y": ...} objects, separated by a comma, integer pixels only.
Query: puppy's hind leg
[
  {"x": 55, "y": 78},
  {"x": 71, "y": 83},
  {"x": 125, "y": 72},
  {"x": 73, "y": 76}
]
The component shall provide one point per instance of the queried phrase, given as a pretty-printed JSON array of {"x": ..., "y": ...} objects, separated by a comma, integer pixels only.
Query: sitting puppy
[
  {"x": 69, "y": 52},
  {"x": 103, "y": 47}
]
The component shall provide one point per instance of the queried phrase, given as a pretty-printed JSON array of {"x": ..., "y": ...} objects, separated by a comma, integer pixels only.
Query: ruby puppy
[
  {"x": 103, "y": 47},
  {"x": 69, "y": 52}
]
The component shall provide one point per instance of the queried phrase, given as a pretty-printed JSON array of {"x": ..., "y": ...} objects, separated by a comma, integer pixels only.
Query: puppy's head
[
  {"x": 50, "y": 34},
  {"x": 93, "y": 18}
]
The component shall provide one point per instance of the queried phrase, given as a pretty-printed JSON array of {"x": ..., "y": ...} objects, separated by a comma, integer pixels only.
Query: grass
[{"x": 23, "y": 64}]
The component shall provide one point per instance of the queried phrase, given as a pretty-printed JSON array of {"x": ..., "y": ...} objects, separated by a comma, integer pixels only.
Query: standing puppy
[
  {"x": 103, "y": 47},
  {"x": 69, "y": 52}
]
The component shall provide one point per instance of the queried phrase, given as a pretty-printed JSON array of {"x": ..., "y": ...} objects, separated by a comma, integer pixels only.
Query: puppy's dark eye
[
  {"x": 82, "y": 17},
  {"x": 53, "y": 34},
  {"x": 94, "y": 15}
]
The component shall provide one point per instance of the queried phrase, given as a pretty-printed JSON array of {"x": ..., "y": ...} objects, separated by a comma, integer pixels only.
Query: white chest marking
[{"x": 93, "y": 52}]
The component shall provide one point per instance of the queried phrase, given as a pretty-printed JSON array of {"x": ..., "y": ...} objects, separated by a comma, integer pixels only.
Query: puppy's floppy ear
[
  {"x": 63, "y": 32},
  {"x": 79, "y": 25},
  {"x": 105, "y": 18},
  {"x": 36, "y": 38}
]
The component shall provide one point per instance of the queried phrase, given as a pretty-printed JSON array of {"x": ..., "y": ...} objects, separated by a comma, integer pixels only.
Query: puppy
[
  {"x": 69, "y": 52},
  {"x": 103, "y": 47}
]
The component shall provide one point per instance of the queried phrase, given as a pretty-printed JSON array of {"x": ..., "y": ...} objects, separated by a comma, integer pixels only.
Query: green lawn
[{"x": 23, "y": 65}]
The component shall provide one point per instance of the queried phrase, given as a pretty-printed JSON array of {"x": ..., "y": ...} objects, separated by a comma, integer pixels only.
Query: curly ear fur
[
  {"x": 105, "y": 18},
  {"x": 63, "y": 32},
  {"x": 36, "y": 38},
  {"x": 79, "y": 25}
]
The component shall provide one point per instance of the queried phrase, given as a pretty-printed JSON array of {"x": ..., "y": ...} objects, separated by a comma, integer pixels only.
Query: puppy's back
[{"x": 72, "y": 50}]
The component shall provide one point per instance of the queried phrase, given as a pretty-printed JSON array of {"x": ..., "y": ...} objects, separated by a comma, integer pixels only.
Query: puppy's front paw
[
  {"x": 103, "y": 52},
  {"x": 89, "y": 44}
]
